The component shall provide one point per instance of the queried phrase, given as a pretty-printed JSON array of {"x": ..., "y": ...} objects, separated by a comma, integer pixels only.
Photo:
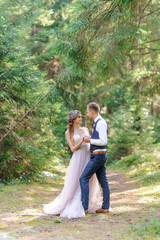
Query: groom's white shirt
[{"x": 101, "y": 128}]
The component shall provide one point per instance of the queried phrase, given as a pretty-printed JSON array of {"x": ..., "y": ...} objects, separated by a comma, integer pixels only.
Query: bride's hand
[
  {"x": 82, "y": 140},
  {"x": 87, "y": 139}
]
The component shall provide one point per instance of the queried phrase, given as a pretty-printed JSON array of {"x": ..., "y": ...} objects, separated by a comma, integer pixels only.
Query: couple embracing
[{"x": 81, "y": 192}]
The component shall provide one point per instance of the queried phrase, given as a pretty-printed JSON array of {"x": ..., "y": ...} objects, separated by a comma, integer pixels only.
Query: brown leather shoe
[
  {"x": 86, "y": 211},
  {"x": 101, "y": 210}
]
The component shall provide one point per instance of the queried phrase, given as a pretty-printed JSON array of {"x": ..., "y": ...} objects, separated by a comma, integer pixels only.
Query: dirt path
[{"x": 22, "y": 217}]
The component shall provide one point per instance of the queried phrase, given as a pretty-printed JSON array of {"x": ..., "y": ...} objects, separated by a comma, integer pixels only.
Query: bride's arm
[{"x": 72, "y": 147}]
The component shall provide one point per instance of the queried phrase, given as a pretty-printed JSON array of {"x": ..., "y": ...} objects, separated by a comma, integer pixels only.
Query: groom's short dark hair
[{"x": 94, "y": 106}]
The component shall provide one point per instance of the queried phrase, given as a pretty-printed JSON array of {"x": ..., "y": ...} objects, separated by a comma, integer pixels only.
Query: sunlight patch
[
  {"x": 31, "y": 212},
  {"x": 4, "y": 235},
  {"x": 152, "y": 190}
]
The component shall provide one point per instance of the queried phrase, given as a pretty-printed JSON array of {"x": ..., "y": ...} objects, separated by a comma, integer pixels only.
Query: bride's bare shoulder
[{"x": 67, "y": 132}]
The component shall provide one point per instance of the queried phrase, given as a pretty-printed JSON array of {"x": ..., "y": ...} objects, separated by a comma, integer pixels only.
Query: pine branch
[
  {"x": 101, "y": 19},
  {"x": 146, "y": 6},
  {"x": 25, "y": 115},
  {"x": 97, "y": 16},
  {"x": 145, "y": 53},
  {"x": 135, "y": 47},
  {"x": 150, "y": 13},
  {"x": 154, "y": 49},
  {"x": 152, "y": 41}
]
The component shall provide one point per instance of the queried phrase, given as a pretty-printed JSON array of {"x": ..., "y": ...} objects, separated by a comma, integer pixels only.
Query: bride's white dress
[{"x": 68, "y": 202}]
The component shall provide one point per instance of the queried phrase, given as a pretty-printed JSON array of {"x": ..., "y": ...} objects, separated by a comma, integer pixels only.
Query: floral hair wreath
[{"x": 72, "y": 116}]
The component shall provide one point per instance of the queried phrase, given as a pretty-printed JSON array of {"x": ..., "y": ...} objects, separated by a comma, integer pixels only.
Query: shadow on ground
[{"x": 22, "y": 217}]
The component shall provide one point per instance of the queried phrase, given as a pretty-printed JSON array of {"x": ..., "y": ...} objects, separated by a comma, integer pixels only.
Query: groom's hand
[{"x": 87, "y": 139}]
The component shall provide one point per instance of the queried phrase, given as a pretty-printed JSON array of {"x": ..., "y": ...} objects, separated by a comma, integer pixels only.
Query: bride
[{"x": 68, "y": 202}]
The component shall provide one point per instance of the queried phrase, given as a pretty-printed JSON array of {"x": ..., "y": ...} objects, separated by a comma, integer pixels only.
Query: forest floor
[{"x": 134, "y": 213}]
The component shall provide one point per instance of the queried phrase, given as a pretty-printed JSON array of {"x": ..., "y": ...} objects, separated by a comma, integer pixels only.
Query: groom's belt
[{"x": 102, "y": 152}]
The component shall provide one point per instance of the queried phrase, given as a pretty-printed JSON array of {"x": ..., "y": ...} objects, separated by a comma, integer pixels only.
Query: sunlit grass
[
  {"x": 23, "y": 195},
  {"x": 21, "y": 206},
  {"x": 147, "y": 230},
  {"x": 142, "y": 165}
]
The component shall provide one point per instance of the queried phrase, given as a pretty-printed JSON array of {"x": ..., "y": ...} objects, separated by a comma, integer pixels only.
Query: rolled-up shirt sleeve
[{"x": 101, "y": 128}]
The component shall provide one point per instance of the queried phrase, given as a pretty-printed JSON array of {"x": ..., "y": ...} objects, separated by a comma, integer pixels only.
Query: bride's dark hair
[{"x": 71, "y": 117}]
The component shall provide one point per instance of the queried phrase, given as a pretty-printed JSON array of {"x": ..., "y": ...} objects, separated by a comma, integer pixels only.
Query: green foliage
[
  {"x": 142, "y": 162},
  {"x": 148, "y": 230},
  {"x": 57, "y": 221},
  {"x": 27, "y": 149},
  {"x": 122, "y": 136}
]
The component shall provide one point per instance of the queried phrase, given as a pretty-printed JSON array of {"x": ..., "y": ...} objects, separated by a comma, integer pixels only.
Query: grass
[
  {"x": 143, "y": 165},
  {"x": 148, "y": 230},
  {"x": 22, "y": 216},
  {"x": 26, "y": 195}
]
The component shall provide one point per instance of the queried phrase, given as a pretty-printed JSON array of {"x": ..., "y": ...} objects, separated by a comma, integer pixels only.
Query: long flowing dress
[{"x": 68, "y": 202}]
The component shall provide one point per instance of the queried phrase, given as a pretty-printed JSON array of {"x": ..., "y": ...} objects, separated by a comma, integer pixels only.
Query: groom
[{"x": 97, "y": 161}]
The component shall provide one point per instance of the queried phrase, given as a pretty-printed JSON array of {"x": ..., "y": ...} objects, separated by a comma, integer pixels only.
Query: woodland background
[{"x": 102, "y": 51}]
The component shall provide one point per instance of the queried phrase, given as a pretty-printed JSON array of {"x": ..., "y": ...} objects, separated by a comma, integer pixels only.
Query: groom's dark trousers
[{"x": 95, "y": 165}]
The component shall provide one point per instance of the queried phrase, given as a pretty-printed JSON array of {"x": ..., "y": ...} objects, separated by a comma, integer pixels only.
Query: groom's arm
[{"x": 102, "y": 130}]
